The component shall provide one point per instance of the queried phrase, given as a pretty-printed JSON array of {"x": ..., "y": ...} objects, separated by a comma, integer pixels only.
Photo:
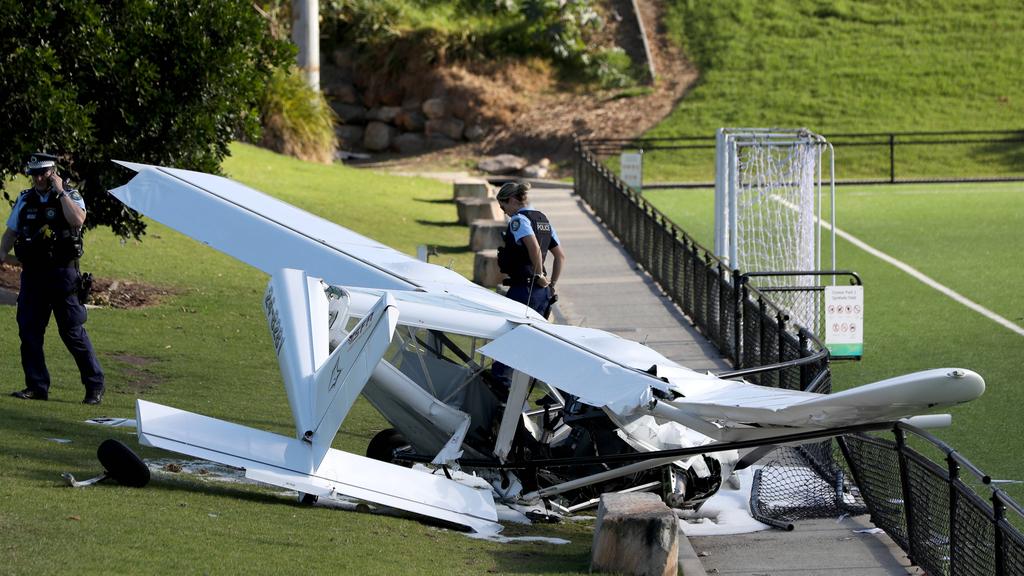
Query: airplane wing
[
  {"x": 269, "y": 234},
  {"x": 721, "y": 409}
]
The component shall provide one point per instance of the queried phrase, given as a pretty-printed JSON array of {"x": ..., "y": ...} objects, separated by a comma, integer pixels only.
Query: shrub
[
  {"x": 170, "y": 82},
  {"x": 297, "y": 119}
]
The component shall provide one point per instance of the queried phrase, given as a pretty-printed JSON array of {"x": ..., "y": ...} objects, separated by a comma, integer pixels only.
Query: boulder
[
  {"x": 435, "y": 108},
  {"x": 439, "y": 141},
  {"x": 635, "y": 533},
  {"x": 450, "y": 127},
  {"x": 485, "y": 269},
  {"x": 411, "y": 120},
  {"x": 502, "y": 164},
  {"x": 474, "y": 133},
  {"x": 349, "y": 136},
  {"x": 378, "y": 136},
  {"x": 349, "y": 113},
  {"x": 538, "y": 170},
  {"x": 470, "y": 209},
  {"x": 409, "y": 143},
  {"x": 384, "y": 114},
  {"x": 486, "y": 234},
  {"x": 341, "y": 91},
  {"x": 472, "y": 188}
]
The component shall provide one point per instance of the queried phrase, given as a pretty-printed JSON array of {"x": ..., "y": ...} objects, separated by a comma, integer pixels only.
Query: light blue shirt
[{"x": 12, "y": 220}]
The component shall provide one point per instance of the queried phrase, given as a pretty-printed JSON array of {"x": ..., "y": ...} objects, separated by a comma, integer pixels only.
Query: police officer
[
  {"x": 528, "y": 239},
  {"x": 45, "y": 230}
]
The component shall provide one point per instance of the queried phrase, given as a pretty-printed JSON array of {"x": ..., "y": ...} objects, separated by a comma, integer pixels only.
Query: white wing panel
[
  {"x": 263, "y": 231},
  {"x": 285, "y": 462},
  {"x": 891, "y": 399},
  {"x": 596, "y": 380}
]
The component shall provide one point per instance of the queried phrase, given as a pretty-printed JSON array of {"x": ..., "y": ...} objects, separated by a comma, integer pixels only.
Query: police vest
[
  {"x": 44, "y": 236},
  {"x": 513, "y": 258}
]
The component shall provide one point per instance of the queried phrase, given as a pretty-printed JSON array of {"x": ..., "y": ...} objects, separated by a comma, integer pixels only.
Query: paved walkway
[{"x": 601, "y": 287}]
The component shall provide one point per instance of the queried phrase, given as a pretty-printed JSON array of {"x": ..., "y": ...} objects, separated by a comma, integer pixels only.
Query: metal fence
[
  {"x": 927, "y": 508},
  {"x": 861, "y": 158}
]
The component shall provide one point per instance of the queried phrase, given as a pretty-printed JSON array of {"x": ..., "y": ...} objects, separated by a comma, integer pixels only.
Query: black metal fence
[
  {"x": 861, "y": 158},
  {"x": 927, "y": 508}
]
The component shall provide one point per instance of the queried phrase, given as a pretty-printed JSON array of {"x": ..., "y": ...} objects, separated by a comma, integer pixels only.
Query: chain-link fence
[{"x": 928, "y": 509}]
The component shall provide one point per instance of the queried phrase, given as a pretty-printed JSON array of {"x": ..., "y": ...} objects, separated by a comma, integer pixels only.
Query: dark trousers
[{"x": 49, "y": 290}]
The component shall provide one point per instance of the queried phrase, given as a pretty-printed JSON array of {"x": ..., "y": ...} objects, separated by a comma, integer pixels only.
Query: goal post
[{"x": 769, "y": 198}]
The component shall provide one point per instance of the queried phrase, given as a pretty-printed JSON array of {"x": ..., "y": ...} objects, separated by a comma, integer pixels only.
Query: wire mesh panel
[
  {"x": 875, "y": 466},
  {"x": 973, "y": 537},
  {"x": 789, "y": 349},
  {"x": 929, "y": 516},
  {"x": 1013, "y": 550},
  {"x": 801, "y": 482}
]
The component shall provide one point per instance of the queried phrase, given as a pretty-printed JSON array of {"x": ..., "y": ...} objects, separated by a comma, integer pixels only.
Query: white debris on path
[{"x": 727, "y": 512}]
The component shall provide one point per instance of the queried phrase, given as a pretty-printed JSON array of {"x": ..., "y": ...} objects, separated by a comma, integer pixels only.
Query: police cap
[{"x": 39, "y": 163}]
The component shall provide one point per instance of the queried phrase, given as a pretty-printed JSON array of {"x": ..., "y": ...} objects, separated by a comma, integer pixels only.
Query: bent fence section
[{"x": 929, "y": 509}]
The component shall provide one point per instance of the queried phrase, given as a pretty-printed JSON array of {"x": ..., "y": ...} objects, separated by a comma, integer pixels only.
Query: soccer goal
[{"x": 769, "y": 198}]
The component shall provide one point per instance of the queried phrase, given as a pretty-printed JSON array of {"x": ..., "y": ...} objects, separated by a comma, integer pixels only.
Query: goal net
[{"x": 768, "y": 201}]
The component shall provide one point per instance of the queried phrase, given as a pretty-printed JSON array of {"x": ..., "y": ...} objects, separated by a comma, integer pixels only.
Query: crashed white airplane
[{"x": 351, "y": 316}]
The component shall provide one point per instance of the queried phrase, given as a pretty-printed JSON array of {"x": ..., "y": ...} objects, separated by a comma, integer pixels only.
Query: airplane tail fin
[{"x": 322, "y": 387}]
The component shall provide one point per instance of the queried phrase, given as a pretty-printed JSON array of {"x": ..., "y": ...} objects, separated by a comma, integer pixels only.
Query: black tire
[
  {"x": 122, "y": 464},
  {"x": 383, "y": 445}
]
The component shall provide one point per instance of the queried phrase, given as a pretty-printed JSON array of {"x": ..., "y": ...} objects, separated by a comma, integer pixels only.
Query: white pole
[{"x": 306, "y": 35}]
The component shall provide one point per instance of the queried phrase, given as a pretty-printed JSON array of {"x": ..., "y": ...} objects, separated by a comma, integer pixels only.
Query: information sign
[
  {"x": 844, "y": 321},
  {"x": 632, "y": 167}
]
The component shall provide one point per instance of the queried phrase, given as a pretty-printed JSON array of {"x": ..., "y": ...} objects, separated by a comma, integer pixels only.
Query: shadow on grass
[
  {"x": 447, "y": 224},
  {"x": 547, "y": 560},
  {"x": 434, "y": 200}
]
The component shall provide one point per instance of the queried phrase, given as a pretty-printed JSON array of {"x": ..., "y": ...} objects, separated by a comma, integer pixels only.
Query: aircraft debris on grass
[{"x": 350, "y": 316}]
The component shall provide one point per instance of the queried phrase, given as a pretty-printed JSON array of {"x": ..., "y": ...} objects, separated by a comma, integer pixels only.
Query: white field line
[{"x": 917, "y": 274}]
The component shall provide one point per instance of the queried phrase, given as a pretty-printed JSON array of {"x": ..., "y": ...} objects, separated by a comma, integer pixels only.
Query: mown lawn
[
  {"x": 966, "y": 237},
  {"x": 206, "y": 349},
  {"x": 852, "y": 66}
]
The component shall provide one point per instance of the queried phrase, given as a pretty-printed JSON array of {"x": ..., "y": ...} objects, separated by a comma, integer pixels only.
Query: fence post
[
  {"x": 892, "y": 158},
  {"x": 998, "y": 515},
  {"x": 805, "y": 369},
  {"x": 954, "y": 473},
  {"x": 908, "y": 504},
  {"x": 739, "y": 299}
]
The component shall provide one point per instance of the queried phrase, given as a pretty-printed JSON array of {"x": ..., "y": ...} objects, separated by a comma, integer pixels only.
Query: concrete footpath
[{"x": 601, "y": 287}]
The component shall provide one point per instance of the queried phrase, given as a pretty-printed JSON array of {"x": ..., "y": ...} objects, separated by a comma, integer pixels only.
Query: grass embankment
[
  {"x": 852, "y": 67},
  {"x": 966, "y": 237},
  {"x": 207, "y": 350}
]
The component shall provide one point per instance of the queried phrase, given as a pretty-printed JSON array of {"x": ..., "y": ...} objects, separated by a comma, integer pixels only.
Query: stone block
[
  {"x": 349, "y": 136},
  {"x": 485, "y": 234},
  {"x": 349, "y": 113},
  {"x": 470, "y": 209},
  {"x": 378, "y": 136},
  {"x": 635, "y": 533},
  {"x": 502, "y": 164},
  {"x": 409, "y": 143},
  {"x": 435, "y": 108},
  {"x": 472, "y": 188},
  {"x": 485, "y": 269},
  {"x": 385, "y": 114},
  {"x": 411, "y": 120}
]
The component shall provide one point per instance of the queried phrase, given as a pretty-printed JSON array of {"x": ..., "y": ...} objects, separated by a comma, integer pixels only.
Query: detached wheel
[{"x": 384, "y": 445}]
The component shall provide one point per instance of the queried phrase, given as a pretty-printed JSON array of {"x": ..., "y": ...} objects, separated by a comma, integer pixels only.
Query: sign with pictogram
[
  {"x": 631, "y": 166},
  {"x": 844, "y": 321}
]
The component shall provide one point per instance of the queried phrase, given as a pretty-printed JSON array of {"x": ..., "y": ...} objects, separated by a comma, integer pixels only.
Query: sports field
[{"x": 966, "y": 237}]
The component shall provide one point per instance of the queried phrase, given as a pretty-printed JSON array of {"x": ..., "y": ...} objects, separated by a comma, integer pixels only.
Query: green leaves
[{"x": 169, "y": 82}]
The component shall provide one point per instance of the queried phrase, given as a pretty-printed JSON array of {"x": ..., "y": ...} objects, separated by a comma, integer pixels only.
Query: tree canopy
[{"x": 169, "y": 82}]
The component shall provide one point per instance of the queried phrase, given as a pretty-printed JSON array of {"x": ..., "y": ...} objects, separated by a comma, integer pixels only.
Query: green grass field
[
  {"x": 851, "y": 66},
  {"x": 966, "y": 237},
  {"x": 207, "y": 350}
]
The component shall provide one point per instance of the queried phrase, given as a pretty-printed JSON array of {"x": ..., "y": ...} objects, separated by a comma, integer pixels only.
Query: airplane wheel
[
  {"x": 383, "y": 445},
  {"x": 307, "y": 499}
]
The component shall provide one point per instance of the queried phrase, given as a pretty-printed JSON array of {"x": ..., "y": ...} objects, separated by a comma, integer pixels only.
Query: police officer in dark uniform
[
  {"x": 528, "y": 239},
  {"x": 45, "y": 230}
]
